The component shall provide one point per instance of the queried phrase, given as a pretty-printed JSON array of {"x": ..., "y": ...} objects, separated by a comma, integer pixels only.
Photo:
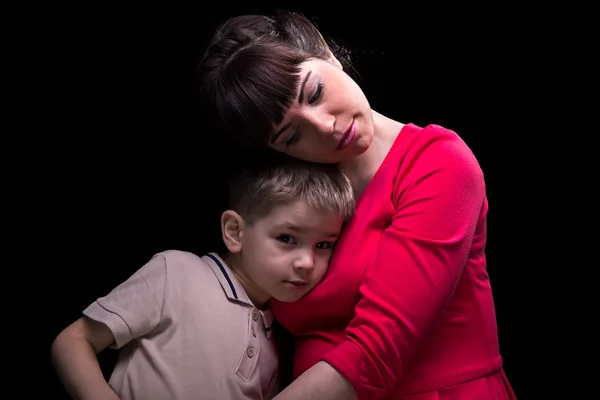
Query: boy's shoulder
[
  {"x": 174, "y": 257},
  {"x": 179, "y": 264},
  {"x": 209, "y": 273}
]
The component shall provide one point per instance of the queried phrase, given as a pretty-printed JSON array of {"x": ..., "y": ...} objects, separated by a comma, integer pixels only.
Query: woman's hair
[{"x": 250, "y": 70}]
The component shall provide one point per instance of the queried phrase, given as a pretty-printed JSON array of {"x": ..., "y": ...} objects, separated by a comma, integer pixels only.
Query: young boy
[{"x": 192, "y": 327}]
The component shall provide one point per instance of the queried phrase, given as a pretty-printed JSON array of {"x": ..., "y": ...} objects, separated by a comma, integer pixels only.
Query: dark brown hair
[{"x": 250, "y": 70}]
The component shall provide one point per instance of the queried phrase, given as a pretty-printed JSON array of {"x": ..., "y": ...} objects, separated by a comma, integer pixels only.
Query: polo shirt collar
[{"x": 232, "y": 288}]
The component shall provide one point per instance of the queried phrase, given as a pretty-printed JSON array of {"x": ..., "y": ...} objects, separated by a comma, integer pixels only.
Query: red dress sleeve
[{"x": 438, "y": 193}]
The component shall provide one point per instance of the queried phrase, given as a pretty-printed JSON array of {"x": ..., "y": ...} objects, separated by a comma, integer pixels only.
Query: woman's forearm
[{"x": 321, "y": 382}]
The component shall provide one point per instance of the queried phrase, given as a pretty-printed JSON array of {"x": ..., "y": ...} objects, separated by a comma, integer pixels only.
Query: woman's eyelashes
[
  {"x": 317, "y": 95},
  {"x": 295, "y": 136}
]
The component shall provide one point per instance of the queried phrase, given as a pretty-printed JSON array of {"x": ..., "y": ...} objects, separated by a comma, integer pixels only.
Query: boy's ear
[{"x": 232, "y": 227}]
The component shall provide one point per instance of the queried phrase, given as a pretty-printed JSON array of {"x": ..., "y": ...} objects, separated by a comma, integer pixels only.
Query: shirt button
[
  {"x": 255, "y": 315},
  {"x": 250, "y": 352},
  {"x": 254, "y": 331}
]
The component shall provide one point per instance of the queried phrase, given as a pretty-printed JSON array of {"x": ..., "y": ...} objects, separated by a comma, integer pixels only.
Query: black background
[{"x": 519, "y": 91}]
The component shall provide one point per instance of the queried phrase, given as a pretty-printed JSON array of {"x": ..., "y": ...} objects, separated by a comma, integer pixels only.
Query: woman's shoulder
[
  {"x": 429, "y": 130},
  {"x": 424, "y": 150}
]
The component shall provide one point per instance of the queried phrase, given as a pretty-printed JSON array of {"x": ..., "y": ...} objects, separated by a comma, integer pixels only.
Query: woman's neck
[{"x": 361, "y": 169}]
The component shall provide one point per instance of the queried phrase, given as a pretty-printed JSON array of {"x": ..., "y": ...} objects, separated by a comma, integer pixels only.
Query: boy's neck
[{"x": 257, "y": 296}]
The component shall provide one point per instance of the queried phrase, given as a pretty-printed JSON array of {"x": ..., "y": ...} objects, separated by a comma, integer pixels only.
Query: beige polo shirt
[{"x": 187, "y": 330}]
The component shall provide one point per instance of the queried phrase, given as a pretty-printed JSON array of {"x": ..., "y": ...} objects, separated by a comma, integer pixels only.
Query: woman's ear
[
  {"x": 232, "y": 229},
  {"x": 332, "y": 59}
]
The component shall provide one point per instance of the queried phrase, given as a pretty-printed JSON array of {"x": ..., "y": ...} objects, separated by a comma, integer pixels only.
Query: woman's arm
[{"x": 321, "y": 382}]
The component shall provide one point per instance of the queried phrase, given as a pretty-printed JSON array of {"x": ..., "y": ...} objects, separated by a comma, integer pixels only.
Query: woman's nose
[{"x": 321, "y": 121}]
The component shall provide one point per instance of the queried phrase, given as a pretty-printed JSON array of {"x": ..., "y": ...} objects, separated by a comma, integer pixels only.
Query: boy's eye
[
  {"x": 285, "y": 239},
  {"x": 325, "y": 245}
]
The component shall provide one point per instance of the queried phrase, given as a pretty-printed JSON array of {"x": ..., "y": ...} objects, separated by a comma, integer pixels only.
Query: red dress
[{"x": 405, "y": 310}]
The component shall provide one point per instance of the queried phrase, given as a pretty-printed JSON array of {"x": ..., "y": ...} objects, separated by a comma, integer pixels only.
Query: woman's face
[{"x": 329, "y": 121}]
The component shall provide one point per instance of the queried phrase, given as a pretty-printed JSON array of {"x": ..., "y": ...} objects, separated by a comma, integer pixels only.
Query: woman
[{"x": 405, "y": 310}]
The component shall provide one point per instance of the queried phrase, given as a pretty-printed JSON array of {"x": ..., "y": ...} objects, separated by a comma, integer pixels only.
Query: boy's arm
[
  {"x": 131, "y": 310},
  {"x": 74, "y": 356}
]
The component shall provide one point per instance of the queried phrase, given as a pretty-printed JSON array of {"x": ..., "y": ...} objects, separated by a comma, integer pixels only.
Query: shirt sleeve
[
  {"x": 418, "y": 262},
  {"x": 134, "y": 308}
]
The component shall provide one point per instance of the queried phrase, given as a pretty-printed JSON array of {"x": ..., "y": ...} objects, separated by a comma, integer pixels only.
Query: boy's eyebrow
[
  {"x": 303, "y": 229},
  {"x": 300, "y": 100}
]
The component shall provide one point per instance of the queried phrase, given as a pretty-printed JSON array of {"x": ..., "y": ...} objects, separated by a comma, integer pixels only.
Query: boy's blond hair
[{"x": 257, "y": 190}]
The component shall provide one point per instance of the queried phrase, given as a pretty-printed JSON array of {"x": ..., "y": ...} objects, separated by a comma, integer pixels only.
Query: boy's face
[{"x": 286, "y": 253}]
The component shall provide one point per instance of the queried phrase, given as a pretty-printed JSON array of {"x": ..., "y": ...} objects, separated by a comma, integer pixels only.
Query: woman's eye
[{"x": 317, "y": 94}]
